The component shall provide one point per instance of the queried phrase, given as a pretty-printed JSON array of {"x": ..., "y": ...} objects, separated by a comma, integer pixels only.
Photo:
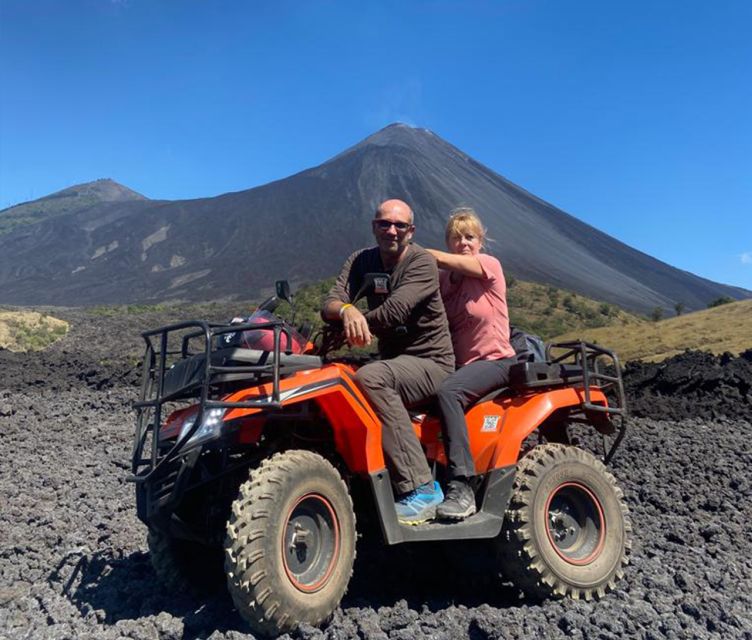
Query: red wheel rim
[
  {"x": 310, "y": 542},
  {"x": 575, "y": 525}
]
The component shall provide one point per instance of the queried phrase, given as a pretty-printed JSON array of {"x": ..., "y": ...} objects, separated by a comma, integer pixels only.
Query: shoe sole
[
  {"x": 457, "y": 516},
  {"x": 423, "y": 520}
]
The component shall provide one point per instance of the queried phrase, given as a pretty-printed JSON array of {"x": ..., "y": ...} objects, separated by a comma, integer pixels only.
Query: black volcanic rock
[
  {"x": 74, "y": 560},
  {"x": 303, "y": 227},
  {"x": 689, "y": 385}
]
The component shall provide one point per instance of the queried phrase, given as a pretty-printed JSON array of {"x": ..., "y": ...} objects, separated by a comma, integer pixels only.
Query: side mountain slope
[{"x": 726, "y": 328}]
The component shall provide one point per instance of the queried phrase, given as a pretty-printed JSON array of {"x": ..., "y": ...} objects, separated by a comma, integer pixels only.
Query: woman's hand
[{"x": 357, "y": 332}]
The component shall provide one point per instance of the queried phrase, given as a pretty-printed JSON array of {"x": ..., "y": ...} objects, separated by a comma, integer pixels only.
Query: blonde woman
[{"x": 474, "y": 293}]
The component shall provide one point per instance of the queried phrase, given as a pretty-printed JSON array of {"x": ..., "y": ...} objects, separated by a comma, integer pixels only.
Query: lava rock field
[{"x": 74, "y": 561}]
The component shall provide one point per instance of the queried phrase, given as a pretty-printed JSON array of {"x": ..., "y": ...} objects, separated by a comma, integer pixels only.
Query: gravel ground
[{"x": 73, "y": 560}]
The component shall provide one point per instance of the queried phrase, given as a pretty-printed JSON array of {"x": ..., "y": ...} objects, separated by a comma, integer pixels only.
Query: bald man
[{"x": 414, "y": 345}]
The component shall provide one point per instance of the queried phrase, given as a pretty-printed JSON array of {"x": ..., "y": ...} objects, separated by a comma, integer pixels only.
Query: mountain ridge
[
  {"x": 303, "y": 226},
  {"x": 104, "y": 189}
]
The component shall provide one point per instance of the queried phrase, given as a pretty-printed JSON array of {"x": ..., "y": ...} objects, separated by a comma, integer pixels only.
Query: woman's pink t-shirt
[{"x": 477, "y": 313}]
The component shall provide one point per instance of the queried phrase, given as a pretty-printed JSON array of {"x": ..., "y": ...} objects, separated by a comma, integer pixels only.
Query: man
[{"x": 414, "y": 344}]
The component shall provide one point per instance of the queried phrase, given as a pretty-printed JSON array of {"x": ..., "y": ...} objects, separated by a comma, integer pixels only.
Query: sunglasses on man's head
[{"x": 385, "y": 224}]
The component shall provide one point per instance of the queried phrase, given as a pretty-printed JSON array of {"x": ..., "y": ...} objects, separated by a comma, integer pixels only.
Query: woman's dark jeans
[{"x": 456, "y": 393}]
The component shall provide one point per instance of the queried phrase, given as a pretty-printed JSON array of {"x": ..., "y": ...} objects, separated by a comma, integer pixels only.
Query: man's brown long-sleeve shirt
[{"x": 414, "y": 303}]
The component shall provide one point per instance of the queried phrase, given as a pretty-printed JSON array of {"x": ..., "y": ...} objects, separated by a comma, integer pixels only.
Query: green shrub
[
  {"x": 719, "y": 301},
  {"x": 26, "y": 337}
]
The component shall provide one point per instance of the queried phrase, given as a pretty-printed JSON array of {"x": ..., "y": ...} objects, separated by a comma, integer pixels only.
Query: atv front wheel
[
  {"x": 182, "y": 565},
  {"x": 290, "y": 543},
  {"x": 567, "y": 530}
]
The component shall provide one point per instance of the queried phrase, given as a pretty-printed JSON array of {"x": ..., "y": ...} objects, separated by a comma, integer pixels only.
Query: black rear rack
[
  {"x": 149, "y": 456},
  {"x": 586, "y": 356}
]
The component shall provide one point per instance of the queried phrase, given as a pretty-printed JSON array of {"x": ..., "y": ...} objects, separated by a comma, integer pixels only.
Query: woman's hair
[{"x": 464, "y": 219}]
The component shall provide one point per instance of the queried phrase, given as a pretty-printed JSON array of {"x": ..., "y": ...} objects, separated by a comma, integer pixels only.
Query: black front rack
[{"x": 149, "y": 456}]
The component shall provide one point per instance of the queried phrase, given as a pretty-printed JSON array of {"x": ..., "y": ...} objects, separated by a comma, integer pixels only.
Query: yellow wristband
[{"x": 342, "y": 309}]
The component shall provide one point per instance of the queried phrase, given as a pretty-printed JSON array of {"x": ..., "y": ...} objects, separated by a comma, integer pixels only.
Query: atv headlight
[{"x": 208, "y": 429}]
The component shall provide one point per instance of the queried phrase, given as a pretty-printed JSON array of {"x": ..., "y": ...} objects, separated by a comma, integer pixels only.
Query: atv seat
[
  {"x": 186, "y": 375},
  {"x": 529, "y": 375},
  {"x": 532, "y": 375}
]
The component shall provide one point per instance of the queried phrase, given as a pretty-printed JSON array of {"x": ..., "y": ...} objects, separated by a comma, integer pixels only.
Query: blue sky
[{"x": 634, "y": 116}]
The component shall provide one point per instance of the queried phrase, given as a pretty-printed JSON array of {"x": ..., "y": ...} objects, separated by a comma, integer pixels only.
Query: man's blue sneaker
[{"x": 419, "y": 505}]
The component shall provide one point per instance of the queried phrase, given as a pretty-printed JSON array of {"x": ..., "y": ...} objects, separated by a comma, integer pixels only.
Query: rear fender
[
  {"x": 524, "y": 414},
  {"x": 497, "y": 428},
  {"x": 356, "y": 429}
]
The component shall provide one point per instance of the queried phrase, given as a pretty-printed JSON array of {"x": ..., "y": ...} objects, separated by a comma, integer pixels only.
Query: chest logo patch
[
  {"x": 381, "y": 286},
  {"x": 489, "y": 423}
]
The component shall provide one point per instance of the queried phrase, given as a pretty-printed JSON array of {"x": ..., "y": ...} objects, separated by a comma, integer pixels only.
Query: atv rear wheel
[
  {"x": 567, "y": 530},
  {"x": 290, "y": 543}
]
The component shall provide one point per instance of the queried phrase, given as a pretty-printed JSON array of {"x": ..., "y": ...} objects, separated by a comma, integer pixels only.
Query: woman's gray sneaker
[{"x": 459, "y": 502}]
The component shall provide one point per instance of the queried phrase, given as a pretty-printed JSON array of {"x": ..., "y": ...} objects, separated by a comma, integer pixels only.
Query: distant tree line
[{"x": 719, "y": 301}]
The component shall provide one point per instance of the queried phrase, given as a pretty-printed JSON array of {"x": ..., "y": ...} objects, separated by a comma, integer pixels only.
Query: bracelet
[{"x": 342, "y": 309}]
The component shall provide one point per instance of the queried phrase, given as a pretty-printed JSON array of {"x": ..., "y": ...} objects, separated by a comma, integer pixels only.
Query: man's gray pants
[{"x": 393, "y": 386}]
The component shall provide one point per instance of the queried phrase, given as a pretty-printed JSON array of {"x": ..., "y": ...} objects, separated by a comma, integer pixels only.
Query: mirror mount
[
  {"x": 283, "y": 290},
  {"x": 283, "y": 293}
]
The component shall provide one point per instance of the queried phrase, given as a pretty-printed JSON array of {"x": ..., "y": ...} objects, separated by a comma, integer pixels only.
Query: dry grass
[
  {"x": 29, "y": 330},
  {"x": 724, "y": 328}
]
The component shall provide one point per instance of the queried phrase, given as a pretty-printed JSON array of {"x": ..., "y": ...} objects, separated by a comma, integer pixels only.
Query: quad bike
[{"x": 259, "y": 451}]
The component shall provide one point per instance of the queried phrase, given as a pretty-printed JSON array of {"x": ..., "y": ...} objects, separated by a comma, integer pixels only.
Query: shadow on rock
[
  {"x": 113, "y": 589},
  {"x": 432, "y": 575}
]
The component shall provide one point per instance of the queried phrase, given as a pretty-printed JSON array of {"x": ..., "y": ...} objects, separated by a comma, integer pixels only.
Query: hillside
[
  {"x": 547, "y": 311},
  {"x": 717, "y": 330},
  {"x": 541, "y": 309},
  {"x": 303, "y": 227},
  {"x": 70, "y": 200}
]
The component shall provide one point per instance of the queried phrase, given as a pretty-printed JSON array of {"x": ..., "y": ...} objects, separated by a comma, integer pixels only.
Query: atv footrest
[
  {"x": 493, "y": 497},
  {"x": 479, "y": 525}
]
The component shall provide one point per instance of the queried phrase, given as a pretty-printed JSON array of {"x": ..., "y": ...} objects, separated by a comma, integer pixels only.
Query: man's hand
[{"x": 357, "y": 332}]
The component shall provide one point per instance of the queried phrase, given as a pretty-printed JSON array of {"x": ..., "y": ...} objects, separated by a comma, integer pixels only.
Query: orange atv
[{"x": 260, "y": 450}]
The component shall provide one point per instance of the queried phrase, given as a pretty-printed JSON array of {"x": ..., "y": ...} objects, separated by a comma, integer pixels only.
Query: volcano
[{"x": 115, "y": 246}]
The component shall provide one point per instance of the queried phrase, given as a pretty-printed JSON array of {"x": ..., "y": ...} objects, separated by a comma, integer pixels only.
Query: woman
[{"x": 474, "y": 294}]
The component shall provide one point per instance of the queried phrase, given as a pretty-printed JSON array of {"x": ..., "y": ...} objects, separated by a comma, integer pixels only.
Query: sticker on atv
[{"x": 489, "y": 423}]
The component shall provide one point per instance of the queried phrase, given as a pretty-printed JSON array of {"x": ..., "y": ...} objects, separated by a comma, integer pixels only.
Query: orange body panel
[
  {"x": 356, "y": 429},
  {"x": 496, "y": 428}
]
